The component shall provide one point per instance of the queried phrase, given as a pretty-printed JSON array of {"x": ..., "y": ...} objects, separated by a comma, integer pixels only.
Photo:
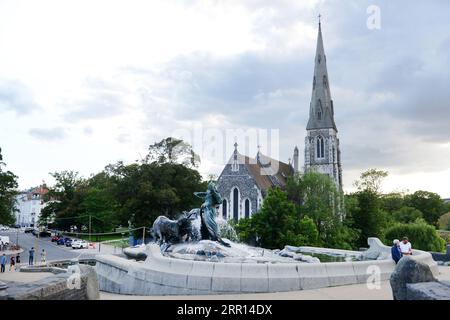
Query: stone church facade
[{"x": 245, "y": 181}]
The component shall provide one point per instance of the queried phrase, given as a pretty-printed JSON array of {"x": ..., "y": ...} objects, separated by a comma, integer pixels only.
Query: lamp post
[{"x": 143, "y": 236}]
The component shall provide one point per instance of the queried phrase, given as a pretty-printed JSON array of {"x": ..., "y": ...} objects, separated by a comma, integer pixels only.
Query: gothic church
[{"x": 244, "y": 181}]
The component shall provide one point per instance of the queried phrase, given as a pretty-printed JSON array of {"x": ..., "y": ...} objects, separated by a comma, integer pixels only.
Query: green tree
[
  {"x": 245, "y": 229},
  {"x": 307, "y": 232},
  {"x": 422, "y": 235},
  {"x": 8, "y": 185},
  {"x": 371, "y": 180},
  {"x": 315, "y": 196},
  {"x": 136, "y": 193},
  {"x": 162, "y": 184},
  {"x": 367, "y": 215},
  {"x": 64, "y": 201},
  {"x": 276, "y": 220},
  {"x": 406, "y": 215},
  {"x": 98, "y": 204},
  {"x": 430, "y": 204},
  {"x": 172, "y": 150},
  {"x": 393, "y": 201},
  {"x": 277, "y": 224}
]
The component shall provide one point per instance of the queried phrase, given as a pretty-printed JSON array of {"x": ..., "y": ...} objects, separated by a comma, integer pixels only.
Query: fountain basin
[{"x": 162, "y": 275}]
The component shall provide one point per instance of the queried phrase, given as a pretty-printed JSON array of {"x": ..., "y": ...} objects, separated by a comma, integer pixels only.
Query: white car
[
  {"x": 4, "y": 240},
  {"x": 80, "y": 244}
]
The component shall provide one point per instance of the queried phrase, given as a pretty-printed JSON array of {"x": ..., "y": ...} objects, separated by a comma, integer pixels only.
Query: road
[{"x": 27, "y": 241}]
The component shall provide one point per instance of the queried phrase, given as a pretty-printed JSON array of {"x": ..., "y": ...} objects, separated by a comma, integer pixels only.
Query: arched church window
[
  {"x": 320, "y": 148},
  {"x": 236, "y": 204},
  {"x": 224, "y": 209},
  {"x": 247, "y": 208},
  {"x": 319, "y": 58}
]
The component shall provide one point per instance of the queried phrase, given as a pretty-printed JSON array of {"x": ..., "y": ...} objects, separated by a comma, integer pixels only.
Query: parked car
[
  {"x": 79, "y": 244},
  {"x": 4, "y": 240},
  {"x": 62, "y": 240},
  {"x": 68, "y": 242},
  {"x": 28, "y": 230},
  {"x": 55, "y": 238},
  {"x": 35, "y": 232}
]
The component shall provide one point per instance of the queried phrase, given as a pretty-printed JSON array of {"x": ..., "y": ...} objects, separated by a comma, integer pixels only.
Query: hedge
[{"x": 421, "y": 235}]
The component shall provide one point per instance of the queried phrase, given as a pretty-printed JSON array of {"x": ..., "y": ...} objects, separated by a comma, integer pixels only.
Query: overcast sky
[{"x": 87, "y": 83}]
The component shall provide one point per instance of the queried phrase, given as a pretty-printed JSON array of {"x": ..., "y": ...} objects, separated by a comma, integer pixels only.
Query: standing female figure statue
[{"x": 209, "y": 229}]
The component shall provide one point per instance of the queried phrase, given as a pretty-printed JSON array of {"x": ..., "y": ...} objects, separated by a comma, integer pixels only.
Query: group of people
[
  {"x": 400, "y": 249},
  {"x": 14, "y": 260}
]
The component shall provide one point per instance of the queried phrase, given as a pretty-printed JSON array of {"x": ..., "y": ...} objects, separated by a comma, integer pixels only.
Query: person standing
[
  {"x": 395, "y": 251},
  {"x": 405, "y": 247},
  {"x": 18, "y": 261},
  {"x": 43, "y": 256},
  {"x": 12, "y": 263},
  {"x": 3, "y": 263},
  {"x": 31, "y": 256}
]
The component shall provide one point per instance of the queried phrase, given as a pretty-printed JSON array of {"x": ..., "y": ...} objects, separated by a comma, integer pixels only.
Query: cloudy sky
[{"x": 87, "y": 83}]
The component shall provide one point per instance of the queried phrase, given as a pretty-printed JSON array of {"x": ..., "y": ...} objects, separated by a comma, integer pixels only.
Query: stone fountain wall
[{"x": 159, "y": 275}]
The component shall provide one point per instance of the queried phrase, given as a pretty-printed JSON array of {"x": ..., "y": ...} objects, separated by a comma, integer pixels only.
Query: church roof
[
  {"x": 321, "y": 114},
  {"x": 266, "y": 171}
]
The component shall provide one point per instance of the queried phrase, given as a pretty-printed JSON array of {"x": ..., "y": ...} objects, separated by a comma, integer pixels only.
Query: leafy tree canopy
[{"x": 8, "y": 185}]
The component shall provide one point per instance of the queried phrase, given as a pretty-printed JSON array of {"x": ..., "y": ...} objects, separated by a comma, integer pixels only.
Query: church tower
[{"x": 322, "y": 153}]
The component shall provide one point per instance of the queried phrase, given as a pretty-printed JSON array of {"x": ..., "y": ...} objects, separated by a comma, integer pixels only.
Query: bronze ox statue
[{"x": 170, "y": 231}]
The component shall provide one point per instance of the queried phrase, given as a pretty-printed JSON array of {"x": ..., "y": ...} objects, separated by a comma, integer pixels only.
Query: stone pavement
[
  {"x": 350, "y": 292},
  {"x": 17, "y": 276}
]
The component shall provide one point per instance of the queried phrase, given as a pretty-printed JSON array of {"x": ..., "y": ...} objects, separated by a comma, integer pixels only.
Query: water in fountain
[{"x": 226, "y": 230}]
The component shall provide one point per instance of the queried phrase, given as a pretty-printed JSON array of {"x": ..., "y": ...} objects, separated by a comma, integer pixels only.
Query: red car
[{"x": 55, "y": 238}]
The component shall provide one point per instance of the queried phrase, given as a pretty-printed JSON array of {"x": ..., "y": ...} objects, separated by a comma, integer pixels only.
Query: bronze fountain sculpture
[{"x": 168, "y": 232}]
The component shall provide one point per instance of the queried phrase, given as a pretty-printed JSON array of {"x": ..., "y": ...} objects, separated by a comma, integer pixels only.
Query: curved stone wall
[{"x": 160, "y": 275}]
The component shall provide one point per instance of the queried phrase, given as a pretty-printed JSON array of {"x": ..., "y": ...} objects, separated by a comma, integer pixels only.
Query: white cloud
[{"x": 103, "y": 80}]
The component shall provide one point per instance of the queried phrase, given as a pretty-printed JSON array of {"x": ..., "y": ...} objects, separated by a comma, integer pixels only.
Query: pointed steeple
[
  {"x": 321, "y": 114},
  {"x": 295, "y": 161}
]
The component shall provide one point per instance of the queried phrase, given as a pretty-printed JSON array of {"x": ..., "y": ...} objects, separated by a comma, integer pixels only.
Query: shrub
[
  {"x": 445, "y": 235},
  {"x": 422, "y": 235},
  {"x": 444, "y": 221}
]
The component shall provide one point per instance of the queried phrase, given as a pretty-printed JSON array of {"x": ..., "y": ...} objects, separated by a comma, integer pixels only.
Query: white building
[{"x": 29, "y": 204}]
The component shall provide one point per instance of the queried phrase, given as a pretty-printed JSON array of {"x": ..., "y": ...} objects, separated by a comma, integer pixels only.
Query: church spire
[{"x": 321, "y": 114}]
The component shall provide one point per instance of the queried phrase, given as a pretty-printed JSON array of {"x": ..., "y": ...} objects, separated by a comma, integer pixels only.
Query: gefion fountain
[{"x": 189, "y": 257}]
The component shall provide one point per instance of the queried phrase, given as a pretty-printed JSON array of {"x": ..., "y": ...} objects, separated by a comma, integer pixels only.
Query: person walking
[
  {"x": 43, "y": 256},
  {"x": 3, "y": 263},
  {"x": 395, "y": 251},
  {"x": 18, "y": 261},
  {"x": 405, "y": 247},
  {"x": 31, "y": 256},
  {"x": 12, "y": 263}
]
